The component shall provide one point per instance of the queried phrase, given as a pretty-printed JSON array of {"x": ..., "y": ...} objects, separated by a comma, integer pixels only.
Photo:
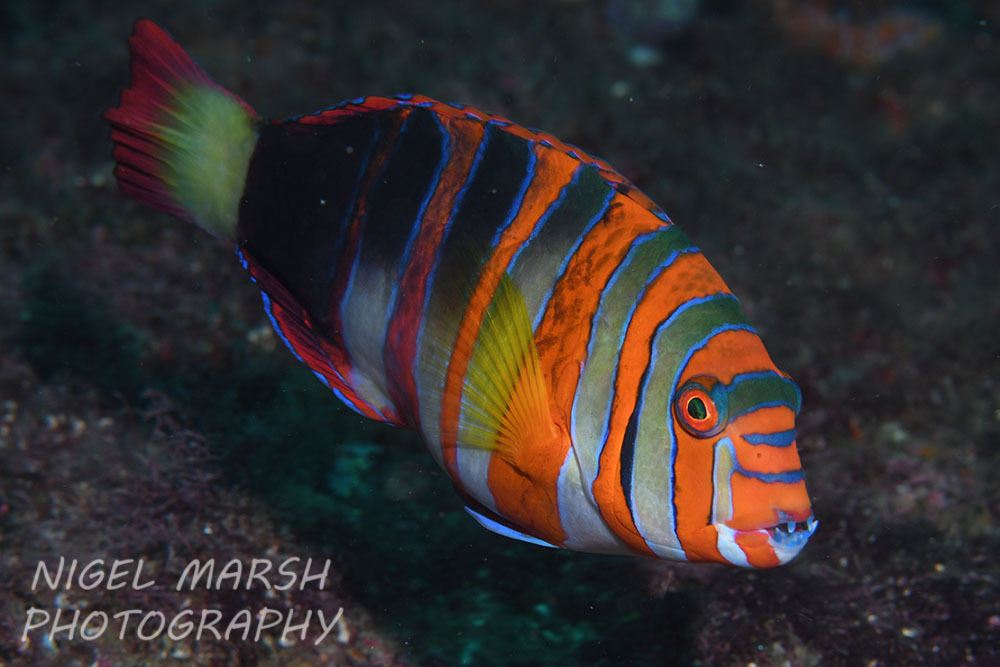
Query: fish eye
[
  {"x": 696, "y": 409},
  {"x": 701, "y": 406}
]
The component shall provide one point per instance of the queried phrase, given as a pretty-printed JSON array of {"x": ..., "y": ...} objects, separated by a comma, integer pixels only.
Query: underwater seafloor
[{"x": 839, "y": 164}]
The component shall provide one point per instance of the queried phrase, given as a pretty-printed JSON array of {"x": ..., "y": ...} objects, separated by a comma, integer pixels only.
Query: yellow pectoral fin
[{"x": 505, "y": 400}]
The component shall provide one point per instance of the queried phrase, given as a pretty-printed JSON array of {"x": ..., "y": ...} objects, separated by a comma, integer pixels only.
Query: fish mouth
[
  {"x": 786, "y": 538},
  {"x": 787, "y": 531}
]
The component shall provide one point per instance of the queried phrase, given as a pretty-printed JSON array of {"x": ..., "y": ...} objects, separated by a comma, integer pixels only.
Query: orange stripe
[
  {"x": 757, "y": 549},
  {"x": 564, "y": 330},
  {"x": 792, "y": 498},
  {"x": 553, "y": 170},
  {"x": 689, "y": 276},
  {"x": 695, "y": 460},
  {"x": 763, "y": 458},
  {"x": 526, "y": 493}
]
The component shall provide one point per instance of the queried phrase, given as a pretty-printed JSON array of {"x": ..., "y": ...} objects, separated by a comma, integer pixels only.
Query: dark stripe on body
[
  {"x": 301, "y": 186},
  {"x": 301, "y": 219},
  {"x": 493, "y": 190},
  {"x": 628, "y": 445},
  {"x": 398, "y": 195}
]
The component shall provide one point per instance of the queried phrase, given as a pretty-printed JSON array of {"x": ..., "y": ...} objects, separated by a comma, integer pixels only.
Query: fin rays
[{"x": 504, "y": 393}]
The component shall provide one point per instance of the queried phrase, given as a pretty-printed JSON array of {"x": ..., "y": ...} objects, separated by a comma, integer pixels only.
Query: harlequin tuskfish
[{"x": 574, "y": 364}]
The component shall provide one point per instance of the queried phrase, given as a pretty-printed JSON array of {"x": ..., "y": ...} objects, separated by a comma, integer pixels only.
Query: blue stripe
[
  {"x": 757, "y": 375},
  {"x": 572, "y": 251},
  {"x": 353, "y": 211},
  {"x": 633, "y": 421},
  {"x": 787, "y": 477},
  {"x": 277, "y": 327},
  {"x": 544, "y": 218},
  {"x": 648, "y": 374},
  {"x": 629, "y": 258},
  {"x": 268, "y": 308},
  {"x": 743, "y": 377},
  {"x": 515, "y": 206},
  {"x": 680, "y": 369},
  {"x": 506, "y": 531},
  {"x": 704, "y": 341},
  {"x": 432, "y": 188},
  {"x": 779, "y": 439},
  {"x": 599, "y": 316}
]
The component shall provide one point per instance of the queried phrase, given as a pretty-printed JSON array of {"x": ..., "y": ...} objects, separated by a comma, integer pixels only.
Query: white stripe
[
  {"x": 581, "y": 519},
  {"x": 473, "y": 473},
  {"x": 728, "y": 548}
]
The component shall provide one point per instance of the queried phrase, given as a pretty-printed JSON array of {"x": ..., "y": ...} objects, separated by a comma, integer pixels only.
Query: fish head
[{"x": 737, "y": 488}]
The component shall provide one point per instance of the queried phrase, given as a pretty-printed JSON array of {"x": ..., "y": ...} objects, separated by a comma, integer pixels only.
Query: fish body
[{"x": 573, "y": 362}]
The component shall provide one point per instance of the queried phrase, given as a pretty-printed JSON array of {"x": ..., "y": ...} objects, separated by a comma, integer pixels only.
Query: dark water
[{"x": 839, "y": 166}]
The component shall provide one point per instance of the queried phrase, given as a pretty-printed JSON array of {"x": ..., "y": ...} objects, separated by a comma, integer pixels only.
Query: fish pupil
[{"x": 696, "y": 409}]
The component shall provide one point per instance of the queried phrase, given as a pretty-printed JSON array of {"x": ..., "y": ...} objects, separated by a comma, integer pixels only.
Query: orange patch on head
[
  {"x": 765, "y": 458},
  {"x": 729, "y": 354},
  {"x": 756, "y": 503}
]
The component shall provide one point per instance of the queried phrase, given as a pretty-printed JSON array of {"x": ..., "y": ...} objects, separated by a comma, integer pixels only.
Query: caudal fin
[{"x": 182, "y": 142}]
